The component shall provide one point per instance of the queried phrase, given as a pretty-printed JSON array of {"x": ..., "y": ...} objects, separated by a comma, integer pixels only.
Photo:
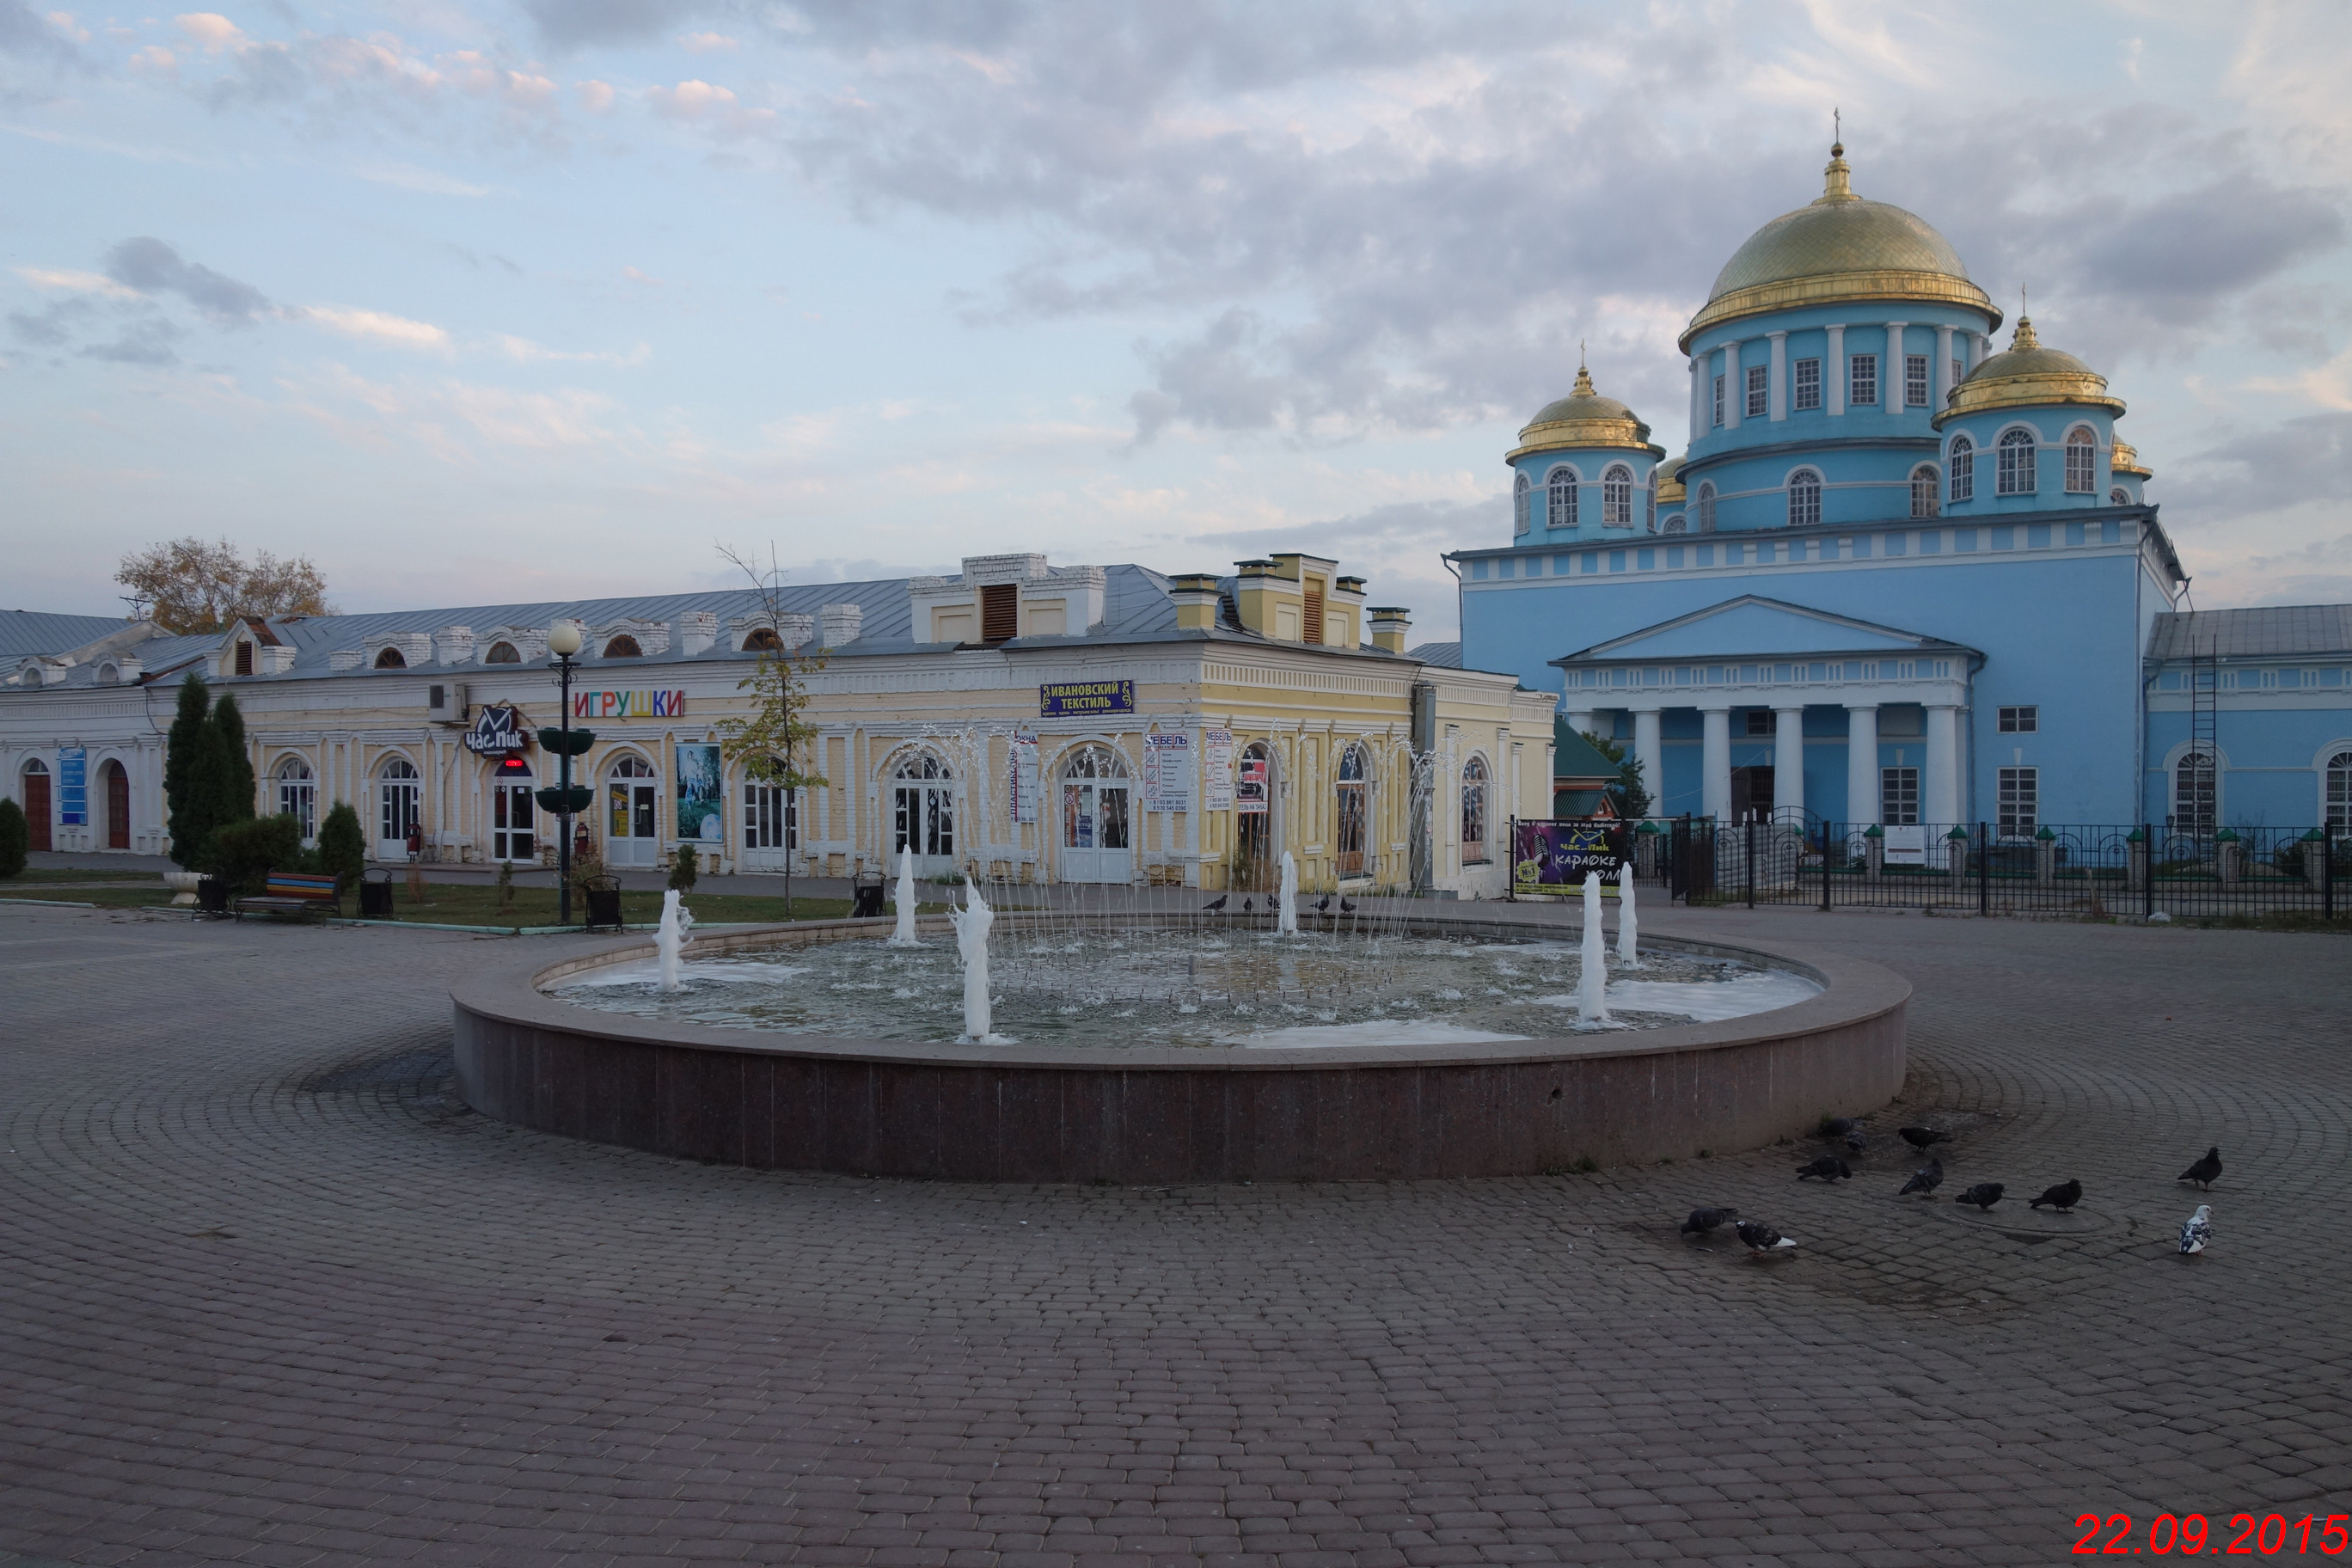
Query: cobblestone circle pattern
[{"x": 268, "y": 1296}]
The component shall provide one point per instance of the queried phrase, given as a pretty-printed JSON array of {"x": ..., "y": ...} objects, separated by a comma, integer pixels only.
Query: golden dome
[
  {"x": 1840, "y": 248},
  {"x": 1671, "y": 492},
  {"x": 2125, "y": 460},
  {"x": 1584, "y": 418},
  {"x": 2028, "y": 376}
]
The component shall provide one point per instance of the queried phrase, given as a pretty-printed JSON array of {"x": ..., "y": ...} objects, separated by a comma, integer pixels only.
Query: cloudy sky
[{"x": 472, "y": 299}]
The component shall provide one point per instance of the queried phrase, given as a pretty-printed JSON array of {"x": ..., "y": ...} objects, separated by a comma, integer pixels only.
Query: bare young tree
[
  {"x": 773, "y": 740},
  {"x": 193, "y": 586}
]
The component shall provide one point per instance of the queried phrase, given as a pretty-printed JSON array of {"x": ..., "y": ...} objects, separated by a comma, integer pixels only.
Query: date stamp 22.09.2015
[{"x": 2192, "y": 1535}]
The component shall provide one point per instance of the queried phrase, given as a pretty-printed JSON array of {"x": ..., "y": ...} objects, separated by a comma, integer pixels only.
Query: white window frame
[
  {"x": 1960, "y": 469},
  {"x": 1707, "y": 499},
  {"x": 1927, "y": 491},
  {"x": 1806, "y": 386},
  {"x": 298, "y": 795},
  {"x": 2119, "y": 497},
  {"x": 2081, "y": 461},
  {"x": 2018, "y": 718},
  {"x": 1898, "y": 796},
  {"x": 1915, "y": 391},
  {"x": 2017, "y": 803},
  {"x": 1560, "y": 486},
  {"x": 2015, "y": 470},
  {"x": 1523, "y": 508},
  {"x": 1617, "y": 497},
  {"x": 1861, "y": 373},
  {"x": 2335, "y": 791},
  {"x": 1718, "y": 403},
  {"x": 2182, "y": 773},
  {"x": 1805, "y": 488},
  {"x": 1759, "y": 391},
  {"x": 1476, "y": 779}
]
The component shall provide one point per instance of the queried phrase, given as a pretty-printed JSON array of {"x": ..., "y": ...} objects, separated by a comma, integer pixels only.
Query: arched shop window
[
  {"x": 1474, "y": 812},
  {"x": 1351, "y": 810},
  {"x": 297, "y": 793},
  {"x": 922, "y": 806}
]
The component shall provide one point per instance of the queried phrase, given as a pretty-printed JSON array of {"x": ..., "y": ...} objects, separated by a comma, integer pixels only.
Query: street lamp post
[{"x": 563, "y": 641}]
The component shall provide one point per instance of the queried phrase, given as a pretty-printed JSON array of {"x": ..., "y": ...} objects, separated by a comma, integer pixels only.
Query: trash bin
[
  {"x": 212, "y": 896},
  {"x": 375, "y": 895},
  {"x": 603, "y": 894},
  {"x": 865, "y": 895}
]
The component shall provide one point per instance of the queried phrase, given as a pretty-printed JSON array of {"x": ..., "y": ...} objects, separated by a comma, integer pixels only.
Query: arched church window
[
  {"x": 391, "y": 659},
  {"x": 1804, "y": 497},
  {"x": 1523, "y": 512},
  {"x": 503, "y": 653},
  {"x": 1924, "y": 487},
  {"x": 1706, "y": 509},
  {"x": 1673, "y": 523},
  {"x": 2082, "y": 459},
  {"x": 2193, "y": 795},
  {"x": 1560, "y": 493},
  {"x": 2119, "y": 497},
  {"x": 2339, "y": 795},
  {"x": 1617, "y": 497},
  {"x": 2014, "y": 451},
  {"x": 1963, "y": 470}
]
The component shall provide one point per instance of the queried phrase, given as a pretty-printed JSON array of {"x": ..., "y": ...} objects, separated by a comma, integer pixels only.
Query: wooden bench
[{"x": 295, "y": 893}]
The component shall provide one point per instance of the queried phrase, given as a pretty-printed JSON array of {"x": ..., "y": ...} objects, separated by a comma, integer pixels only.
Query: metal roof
[
  {"x": 2265, "y": 631},
  {"x": 23, "y": 632},
  {"x": 1438, "y": 655}
]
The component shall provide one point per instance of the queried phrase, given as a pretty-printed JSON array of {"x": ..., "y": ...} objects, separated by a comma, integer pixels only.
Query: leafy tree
[
  {"x": 684, "y": 864},
  {"x": 773, "y": 743},
  {"x": 342, "y": 847},
  {"x": 194, "y": 586},
  {"x": 244, "y": 853},
  {"x": 237, "y": 780},
  {"x": 16, "y": 838},
  {"x": 1631, "y": 793},
  {"x": 181, "y": 746}
]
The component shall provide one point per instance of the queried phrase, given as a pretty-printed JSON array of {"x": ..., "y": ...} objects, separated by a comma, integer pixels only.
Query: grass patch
[
  {"x": 38, "y": 876},
  {"x": 104, "y": 897},
  {"x": 469, "y": 904}
]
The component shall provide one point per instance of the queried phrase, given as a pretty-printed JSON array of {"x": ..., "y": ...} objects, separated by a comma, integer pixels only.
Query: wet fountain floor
[{"x": 1176, "y": 986}]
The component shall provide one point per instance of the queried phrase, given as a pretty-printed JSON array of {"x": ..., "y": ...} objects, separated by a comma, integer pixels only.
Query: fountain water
[
  {"x": 1628, "y": 929},
  {"x": 971, "y": 923},
  {"x": 676, "y": 922},
  {"x": 903, "y": 935},
  {"x": 1286, "y": 921},
  {"x": 1592, "y": 985}
]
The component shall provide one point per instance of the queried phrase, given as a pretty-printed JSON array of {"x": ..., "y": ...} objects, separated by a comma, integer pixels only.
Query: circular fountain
[{"x": 1045, "y": 1044}]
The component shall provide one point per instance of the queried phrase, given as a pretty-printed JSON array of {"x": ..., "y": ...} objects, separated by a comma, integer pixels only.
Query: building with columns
[{"x": 1899, "y": 574}]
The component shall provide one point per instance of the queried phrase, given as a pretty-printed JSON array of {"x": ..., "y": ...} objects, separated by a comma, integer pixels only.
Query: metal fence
[{"x": 1971, "y": 867}]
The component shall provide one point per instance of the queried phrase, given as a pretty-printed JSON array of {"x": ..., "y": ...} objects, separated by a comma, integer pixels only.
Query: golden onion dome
[
  {"x": 1581, "y": 419},
  {"x": 2125, "y": 460},
  {"x": 1838, "y": 247},
  {"x": 1671, "y": 490},
  {"x": 2028, "y": 375}
]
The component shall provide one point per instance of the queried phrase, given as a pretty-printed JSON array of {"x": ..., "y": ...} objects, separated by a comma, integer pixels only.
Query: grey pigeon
[
  {"x": 1248, "y": 905},
  {"x": 1701, "y": 1221},
  {"x": 2197, "y": 1231},
  {"x": 1925, "y": 1180},
  {"x": 2061, "y": 1197},
  {"x": 1323, "y": 904},
  {"x": 1984, "y": 1194},
  {"x": 1838, "y": 1126},
  {"x": 2206, "y": 1172},
  {"x": 1856, "y": 1142},
  {"x": 1920, "y": 1137},
  {"x": 1829, "y": 1168},
  {"x": 1762, "y": 1238},
  {"x": 1346, "y": 908},
  {"x": 1215, "y": 904}
]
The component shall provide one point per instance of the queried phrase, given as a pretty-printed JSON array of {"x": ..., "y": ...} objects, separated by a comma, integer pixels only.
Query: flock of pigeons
[
  {"x": 1273, "y": 905},
  {"x": 1762, "y": 1240}
]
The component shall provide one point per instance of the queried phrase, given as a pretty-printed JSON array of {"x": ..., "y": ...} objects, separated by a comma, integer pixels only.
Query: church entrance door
[{"x": 1751, "y": 795}]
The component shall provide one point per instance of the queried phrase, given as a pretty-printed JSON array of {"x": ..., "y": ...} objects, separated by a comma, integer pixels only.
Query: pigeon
[
  {"x": 1346, "y": 908},
  {"x": 1838, "y": 1126},
  {"x": 1762, "y": 1238},
  {"x": 1925, "y": 1180},
  {"x": 1701, "y": 1221},
  {"x": 1323, "y": 904},
  {"x": 2206, "y": 1172},
  {"x": 1248, "y": 904},
  {"x": 1920, "y": 1137},
  {"x": 2196, "y": 1232},
  {"x": 1984, "y": 1194},
  {"x": 1856, "y": 1142},
  {"x": 2061, "y": 1197},
  {"x": 1829, "y": 1168},
  {"x": 1215, "y": 904}
]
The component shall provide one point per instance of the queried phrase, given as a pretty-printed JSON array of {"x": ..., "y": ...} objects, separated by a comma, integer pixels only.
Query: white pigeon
[{"x": 2198, "y": 1231}]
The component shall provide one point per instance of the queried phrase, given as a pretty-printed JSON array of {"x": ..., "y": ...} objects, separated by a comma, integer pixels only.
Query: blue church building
[{"x": 1900, "y": 574}]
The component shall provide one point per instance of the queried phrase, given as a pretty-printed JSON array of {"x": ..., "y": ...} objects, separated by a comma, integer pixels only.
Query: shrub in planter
[
  {"x": 342, "y": 849},
  {"x": 16, "y": 838},
  {"x": 244, "y": 853}
]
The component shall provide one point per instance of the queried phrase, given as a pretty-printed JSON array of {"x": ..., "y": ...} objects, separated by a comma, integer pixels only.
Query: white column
[
  {"x": 1581, "y": 722},
  {"x": 1777, "y": 399},
  {"x": 1984, "y": 349},
  {"x": 1714, "y": 763},
  {"x": 1833, "y": 372},
  {"x": 1645, "y": 751},
  {"x": 1940, "y": 789},
  {"x": 1698, "y": 396},
  {"x": 1943, "y": 364},
  {"x": 1734, "y": 396},
  {"x": 1788, "y": 764},
  {"x": 1861, "y": 804},
  {"x": 1891, "y": 380}
]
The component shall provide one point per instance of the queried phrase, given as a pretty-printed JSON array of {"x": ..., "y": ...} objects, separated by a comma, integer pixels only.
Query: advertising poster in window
[
  {"x": 1553, "y": 855},
  {"x": 701, "y": 800},
  {"x": 1167, "y": 771},
  {"x": 1021, "y": 776},
  {"x": 1249, "y": 790},
  {"x": 1216, "y": 770},
  {"x": 73, "y": 786}
]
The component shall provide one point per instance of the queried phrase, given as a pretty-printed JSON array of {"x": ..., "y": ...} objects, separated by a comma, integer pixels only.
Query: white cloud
[
  {"x": 77, "y": 282},
  {"x": 63, "y": 21},
  {"x": 690, "y": 99},
  {"x": 381, "y": 326},
  {"x": 595, "y": 96},
  {"x": 211, "y": 30},
  {"x": 409, "y": 177},
  {"x": 522, "y": 350},
  {"x": 707, "y": 43}
]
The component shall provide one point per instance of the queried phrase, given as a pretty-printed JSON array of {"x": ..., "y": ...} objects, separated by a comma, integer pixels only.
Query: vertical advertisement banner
[
  {"x": 1250, "y": 788},
  {"x": 1552, "y": 856},
  {"x": 1021, "y": 783},
  {"x": 1167, "y": 771},
  {"x": 73, "y": 786},
  {"x": 701, "y": 803},
  {"x": 1216, "y": 770}
]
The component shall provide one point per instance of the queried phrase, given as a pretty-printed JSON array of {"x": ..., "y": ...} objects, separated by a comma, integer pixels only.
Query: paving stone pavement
[{"x": 269, "y": 1297}]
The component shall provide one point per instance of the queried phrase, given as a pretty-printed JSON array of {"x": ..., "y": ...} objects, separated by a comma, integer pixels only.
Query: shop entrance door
[
  {"x": 922, "y": 814},
  {"x": 633, "y": 820},
  {"x": 1096, "y": 841},
  {"x": 514, "y": 836},
  {"x": 397, "y": 787},
  {"x": 37, "y": 806},
  {"x": 1751, "y": 795},
  {"x": 117, "y": 805}
]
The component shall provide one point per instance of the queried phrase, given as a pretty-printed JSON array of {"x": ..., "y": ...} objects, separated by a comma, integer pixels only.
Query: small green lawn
[
  {"x": 466, "y": 904},
  {"x": 38, "y": 874}
]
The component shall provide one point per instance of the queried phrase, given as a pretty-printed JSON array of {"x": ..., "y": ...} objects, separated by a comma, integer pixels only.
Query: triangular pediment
[{"x": 1754, "y": 626}]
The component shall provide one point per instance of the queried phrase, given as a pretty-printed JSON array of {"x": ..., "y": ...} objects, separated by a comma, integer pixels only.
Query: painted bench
[{"x": 293, "y": 893}]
